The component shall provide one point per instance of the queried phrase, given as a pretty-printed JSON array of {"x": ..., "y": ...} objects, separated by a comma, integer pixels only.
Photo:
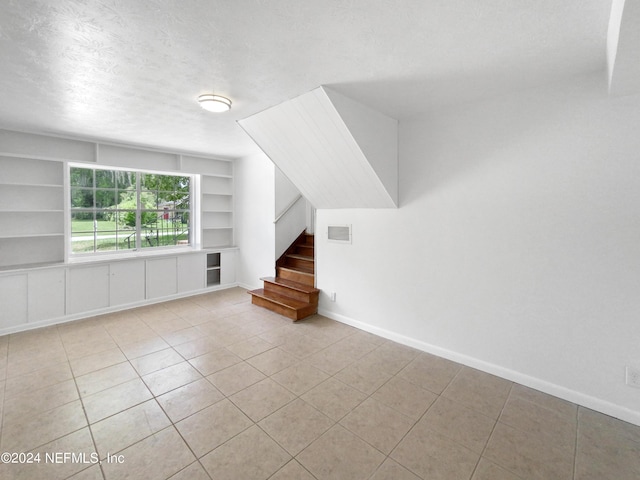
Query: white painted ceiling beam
[
  {"x": 623, "y": 47},
  {"x": 337, "y": 152}
]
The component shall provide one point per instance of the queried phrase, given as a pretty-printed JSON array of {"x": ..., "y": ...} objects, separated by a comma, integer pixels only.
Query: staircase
[{"x": 291, "y": 293}]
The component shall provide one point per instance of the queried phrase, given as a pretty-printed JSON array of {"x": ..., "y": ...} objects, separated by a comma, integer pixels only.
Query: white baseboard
[
  {"x": 248, "y": 287},
  {"x": 564, "y": 393}
]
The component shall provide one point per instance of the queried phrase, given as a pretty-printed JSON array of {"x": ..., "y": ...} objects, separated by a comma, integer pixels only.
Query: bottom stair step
[{"x": 287, "y": 306}]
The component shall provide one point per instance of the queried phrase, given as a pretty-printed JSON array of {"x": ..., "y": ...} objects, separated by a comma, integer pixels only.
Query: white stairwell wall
[
  {"x": 261, "y": 193},
  {"x": 290, "y": 212},
  {"x": 255, "y": 197}
]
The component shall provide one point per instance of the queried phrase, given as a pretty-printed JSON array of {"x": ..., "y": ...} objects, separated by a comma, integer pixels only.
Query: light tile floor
[{"x": 211, "y": 387}]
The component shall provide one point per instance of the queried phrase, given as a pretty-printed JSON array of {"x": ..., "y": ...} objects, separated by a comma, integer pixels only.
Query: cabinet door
[
  {"x": 13, "y": 300},
  {"x": 87, "y": 288},
  {"x": 46, "y": 294},
  {"x": 227, "y": 267},
  {"x": 126, "y": 282},
  {"x": 161, "y": 277},
  {"x": 191, "y": 272}
]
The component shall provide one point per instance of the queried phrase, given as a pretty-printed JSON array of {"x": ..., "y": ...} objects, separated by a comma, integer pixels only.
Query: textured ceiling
[{"x": 130, "y": 71}]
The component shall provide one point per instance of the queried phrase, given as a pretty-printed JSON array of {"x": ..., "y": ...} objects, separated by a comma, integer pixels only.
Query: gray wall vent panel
[{"x": 339, "y": 233}]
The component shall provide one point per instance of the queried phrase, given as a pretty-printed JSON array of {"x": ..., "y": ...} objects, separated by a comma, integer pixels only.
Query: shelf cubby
[{"x": 31, "y": 211}]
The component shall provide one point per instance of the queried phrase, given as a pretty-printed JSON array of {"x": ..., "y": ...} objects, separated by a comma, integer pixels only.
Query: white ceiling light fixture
[{"x": 214, "y": 103}]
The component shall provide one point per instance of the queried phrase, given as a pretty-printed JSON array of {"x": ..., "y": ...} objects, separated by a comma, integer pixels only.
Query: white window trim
[{"x": 87, "y": 257}]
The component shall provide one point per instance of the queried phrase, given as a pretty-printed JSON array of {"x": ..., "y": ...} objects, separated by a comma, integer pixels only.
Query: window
[{"x": 114, "y": 209}]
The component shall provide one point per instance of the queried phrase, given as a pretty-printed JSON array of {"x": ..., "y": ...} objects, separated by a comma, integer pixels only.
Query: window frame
[{"x": 139, "y": 248}]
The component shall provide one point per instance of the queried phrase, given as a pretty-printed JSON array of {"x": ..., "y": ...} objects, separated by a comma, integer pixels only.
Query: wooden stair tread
[
  {"x": 292, "y": 291},
  {"x": 300, "y": 257},
  {"x": 300, "y": 287},
  {"x": 281, "y": 300}
]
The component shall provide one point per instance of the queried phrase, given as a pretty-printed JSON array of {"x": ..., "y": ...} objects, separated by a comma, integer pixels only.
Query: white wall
[
  {"x": 254, "y": 215},
  {"x": 376, "y": 135},
  {"x": 285, "y": 192},
  {"x": 516, "y": 247}
]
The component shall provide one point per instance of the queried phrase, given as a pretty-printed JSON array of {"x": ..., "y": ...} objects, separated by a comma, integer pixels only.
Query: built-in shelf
[
  {"x": 217, "y": 202},
  {"x": 30, "y": 171},
  {"x": 32, "y": 249},
  {"x": 213, "y": 269},
  {"x": 217, "y": 220},
  {"x": 217, "y": 209},
  {"x": 31, "y": 211},
  {"x": 31, "y": 197},
  {"x": 217, "y": 237},
  {"x": 218, "y": 185}
]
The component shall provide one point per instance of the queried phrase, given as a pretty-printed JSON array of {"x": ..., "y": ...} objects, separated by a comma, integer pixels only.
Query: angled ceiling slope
[
  {"x": 623, "y": 47},
  {"x": 337, "y": 152}
]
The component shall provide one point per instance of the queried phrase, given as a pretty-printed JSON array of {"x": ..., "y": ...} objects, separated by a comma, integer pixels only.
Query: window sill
[{"x": 133, "y": 254}]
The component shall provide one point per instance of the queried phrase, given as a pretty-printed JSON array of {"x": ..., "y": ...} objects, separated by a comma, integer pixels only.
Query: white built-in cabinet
[
  {"x": 39, "y": 286},
  {"x": 220, "y": 268},
  {"x": 217, "y": 207},
  {"x": 126, "y": 282},
  {"x": 55, "y": 293},
  {"x": 190, "y": 274},
  {"x": 31, "y": 211},
  {"x": 228, "y": 267},
  {"x": 46, "y": 294},
  {"x": 213, "y": 268},
  {"x": 87, "y": 288},
  {"x": 13, "y": 298},
  {"x": 161, "y": 277},
  {"x": 31, "y": 297}
]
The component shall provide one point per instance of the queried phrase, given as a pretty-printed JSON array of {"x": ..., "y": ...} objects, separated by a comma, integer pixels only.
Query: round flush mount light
[{"x": 214, "y": 103}]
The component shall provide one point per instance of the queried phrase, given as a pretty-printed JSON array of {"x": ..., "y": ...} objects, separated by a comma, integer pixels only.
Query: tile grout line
[
  {"x": 298, "y": 397},
  {"x": 95, "y": 446},
  {"x": 473, "y": 472},
  {"x": 4, "y": 388},
  {"x": 50, "y": 409},
  {"x": 84, "y": 411},
  {"x": 114, "y": 414},
  {"x": 438, "y": 395},
  {"x": 575, "y": 448},
  {"x": 80, "y": 397},
  {"x": 225, "y": 397},
  {"x": 153, "y": 397},
  {"x": 512, "y": 395},
  {"x": 495, "y": 424}
]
